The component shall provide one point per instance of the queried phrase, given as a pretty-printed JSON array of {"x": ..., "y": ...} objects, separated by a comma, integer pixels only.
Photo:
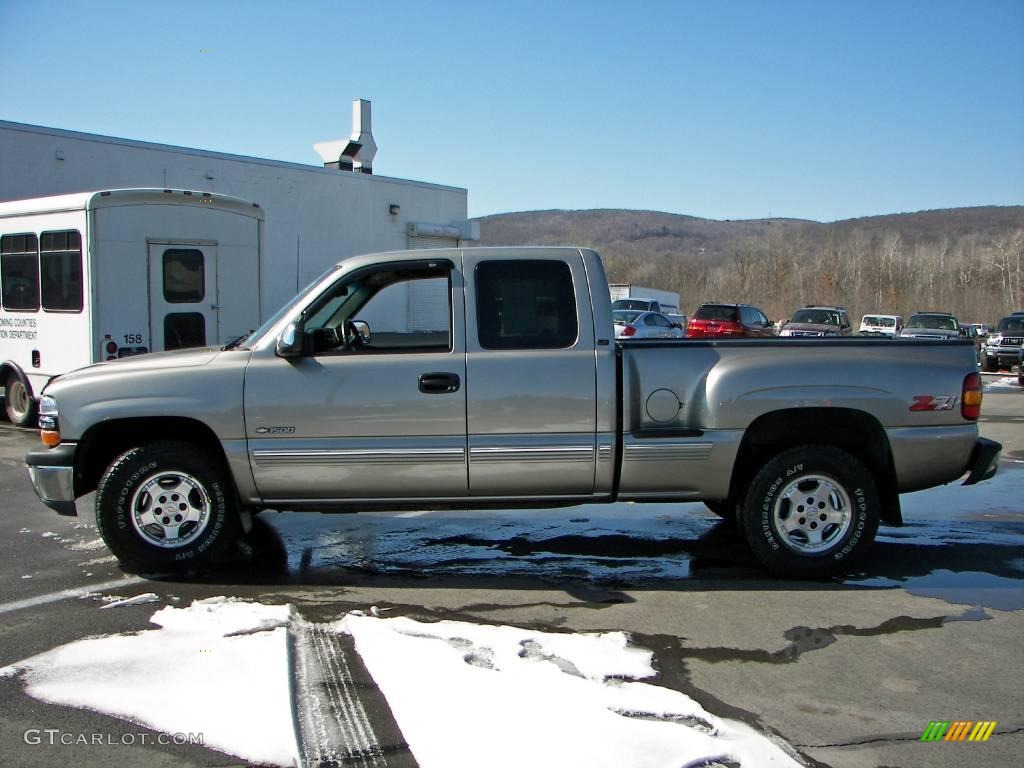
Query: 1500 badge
[{"x": 274, "y": 430}]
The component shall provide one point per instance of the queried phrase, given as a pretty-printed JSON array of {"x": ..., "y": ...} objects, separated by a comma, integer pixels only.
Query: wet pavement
[{"x": 850, "y": 671}]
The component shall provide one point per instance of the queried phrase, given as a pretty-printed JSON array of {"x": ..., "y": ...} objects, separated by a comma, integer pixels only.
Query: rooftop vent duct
[{"x": 355, "y": 153}]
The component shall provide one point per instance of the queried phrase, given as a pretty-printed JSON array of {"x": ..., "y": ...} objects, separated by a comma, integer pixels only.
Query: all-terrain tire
[
  {"x": 811, "y": 512},
  {"x": 167, "y": 505}
]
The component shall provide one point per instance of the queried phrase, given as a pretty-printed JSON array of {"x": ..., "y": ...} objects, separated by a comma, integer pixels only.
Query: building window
[
  {"x": 19, "y": 272},
  {"x": 527, "y": 304},
  {"x": 60, "y": 268},
  {"x": 184, "y": 276}
]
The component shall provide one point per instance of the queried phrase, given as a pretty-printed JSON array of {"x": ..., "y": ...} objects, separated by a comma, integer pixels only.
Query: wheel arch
[
  {"x": 104, "y": 442},
  {"x": 856, "y": 432},
  {"x": 7, "y": 367}
]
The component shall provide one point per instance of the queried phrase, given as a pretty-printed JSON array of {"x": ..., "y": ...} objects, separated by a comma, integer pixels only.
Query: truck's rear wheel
[
  {"x": 18, "y": 402},
  {"x": 811, "y": 512},
  {"x": 166, "y": 506}
]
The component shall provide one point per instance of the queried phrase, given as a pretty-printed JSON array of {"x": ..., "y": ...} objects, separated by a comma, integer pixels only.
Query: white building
[{"x": 314, "y": 216}]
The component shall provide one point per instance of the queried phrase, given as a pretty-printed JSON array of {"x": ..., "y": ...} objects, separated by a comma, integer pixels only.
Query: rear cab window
[{"x": 525, "y": 304}]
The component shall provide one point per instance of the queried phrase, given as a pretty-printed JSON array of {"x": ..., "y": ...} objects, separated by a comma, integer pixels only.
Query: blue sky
[{"x": 822, "y": 110}]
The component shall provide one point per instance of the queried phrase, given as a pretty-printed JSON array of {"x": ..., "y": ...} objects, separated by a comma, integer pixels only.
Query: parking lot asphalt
[{"x": 849, "y": 672}]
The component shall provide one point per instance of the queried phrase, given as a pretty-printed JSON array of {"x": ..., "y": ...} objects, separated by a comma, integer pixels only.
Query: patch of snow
[
  {"x": 146, "y": 597},
  {"x": 471, "y": 695},
  {"x": 87, "y": 546},
  {"x": 99, "y": 561},
  {"x": 27, "y": 576},
  {"x": 1005, "y": 384},
  {"x": 51, "y": 535},
  {"x": 25, "y": 530},
  {"x": 218, "y": 667}
]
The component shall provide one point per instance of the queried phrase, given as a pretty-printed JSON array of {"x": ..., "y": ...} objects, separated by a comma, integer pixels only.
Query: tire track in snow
[{"x": 330, "y": 703}]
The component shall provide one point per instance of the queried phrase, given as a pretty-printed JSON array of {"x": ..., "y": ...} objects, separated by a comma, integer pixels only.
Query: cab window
[
  {"x": 401, "y": 307},
  {"x": 525, "y": 304}
]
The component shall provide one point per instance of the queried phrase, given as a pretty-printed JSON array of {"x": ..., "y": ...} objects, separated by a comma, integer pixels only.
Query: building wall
[{"x": 314, "y": 216}]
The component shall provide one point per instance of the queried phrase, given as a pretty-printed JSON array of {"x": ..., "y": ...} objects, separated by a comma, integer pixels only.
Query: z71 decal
[{"x": 933, "y": 403}]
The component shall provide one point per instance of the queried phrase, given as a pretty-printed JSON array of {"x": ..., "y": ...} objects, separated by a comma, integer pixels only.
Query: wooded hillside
[{"x": 963, "y": 260}]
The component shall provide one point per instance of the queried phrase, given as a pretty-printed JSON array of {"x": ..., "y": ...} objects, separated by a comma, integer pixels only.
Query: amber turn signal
[
  {"x": 970, "y": 397},
  {"x": 50, "y": 438}
]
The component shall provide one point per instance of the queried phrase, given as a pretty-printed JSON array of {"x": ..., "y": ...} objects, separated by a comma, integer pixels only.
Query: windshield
[
  {"x": 624, "y": 316},
  {"x": 1014, "y": 323},
  {"x": 641, "y": 304},
  {"x": 937, "y": 322},
  {"x": 883, "y": 322},
  {"x": 816, "y": 317},
  {"x": 245, "y": 341}
]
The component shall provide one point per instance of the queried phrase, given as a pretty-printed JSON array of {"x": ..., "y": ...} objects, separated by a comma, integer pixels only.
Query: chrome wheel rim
[
  {"x": 812, "y": 513},
  {"x": 170, "y": 510}
]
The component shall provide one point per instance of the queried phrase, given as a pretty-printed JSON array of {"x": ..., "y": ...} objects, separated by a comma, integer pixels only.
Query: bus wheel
[{"x": 18, "y": 402}]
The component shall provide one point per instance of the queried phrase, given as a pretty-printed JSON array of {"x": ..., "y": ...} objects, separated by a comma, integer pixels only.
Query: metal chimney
[
  {"x": 363, "y": 160},
  {"x": 355, "y": 153}
]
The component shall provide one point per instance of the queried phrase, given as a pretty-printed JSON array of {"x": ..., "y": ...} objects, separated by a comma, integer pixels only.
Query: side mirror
[
  {"x": 289, "y": 343},
  {"x": 363, "y": 329}
]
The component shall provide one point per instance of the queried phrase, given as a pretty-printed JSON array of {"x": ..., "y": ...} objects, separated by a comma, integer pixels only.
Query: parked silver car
[{"x": 630, "y": 324}]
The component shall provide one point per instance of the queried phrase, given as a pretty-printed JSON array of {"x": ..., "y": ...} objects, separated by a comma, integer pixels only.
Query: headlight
[{"x": 48, "y": 424}]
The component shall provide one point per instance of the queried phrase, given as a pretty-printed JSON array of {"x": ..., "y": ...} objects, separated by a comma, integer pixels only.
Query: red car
[{"x": 723, "y": 321}]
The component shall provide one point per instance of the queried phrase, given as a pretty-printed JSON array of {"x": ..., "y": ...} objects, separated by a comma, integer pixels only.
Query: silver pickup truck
[{"x": 491, "y": 377}]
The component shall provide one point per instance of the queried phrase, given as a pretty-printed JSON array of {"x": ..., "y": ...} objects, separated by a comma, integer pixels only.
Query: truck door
[
  {"x": 531, "y": 376},
  {"x": 381, "y": 417},
  {"x": 182, "y": 296}
]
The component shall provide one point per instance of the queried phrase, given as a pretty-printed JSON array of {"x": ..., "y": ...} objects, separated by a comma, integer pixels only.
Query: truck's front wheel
[
  {"x": 811, "y": 512},
  {"x": 166, "y": 506}
]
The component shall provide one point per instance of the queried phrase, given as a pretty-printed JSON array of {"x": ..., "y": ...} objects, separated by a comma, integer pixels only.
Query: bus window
[
  {"x": 19, "y": 272},
  {"x": 60, "y": 267}
]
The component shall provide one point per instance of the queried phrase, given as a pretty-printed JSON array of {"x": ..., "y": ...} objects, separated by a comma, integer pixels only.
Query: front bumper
[
  {"x": 52, "y": 471},
  {"x": 984, "y": 460},
  {"x": 1003, "y": 354}
]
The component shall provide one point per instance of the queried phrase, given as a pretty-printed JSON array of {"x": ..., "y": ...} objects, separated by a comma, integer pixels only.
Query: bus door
[{"x": 182, "y": 296}]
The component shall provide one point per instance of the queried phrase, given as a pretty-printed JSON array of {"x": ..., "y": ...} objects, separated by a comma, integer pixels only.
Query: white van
[
  {"x": 97, "y": 276},
  {"x": 888, "y": 325}
]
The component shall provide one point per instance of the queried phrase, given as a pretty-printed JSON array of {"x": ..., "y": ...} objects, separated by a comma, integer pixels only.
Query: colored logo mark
[{"x": 959, "y": 730}]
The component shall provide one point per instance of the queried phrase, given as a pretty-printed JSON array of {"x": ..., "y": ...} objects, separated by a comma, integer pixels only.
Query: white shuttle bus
[{"x": 97, "y": 276}]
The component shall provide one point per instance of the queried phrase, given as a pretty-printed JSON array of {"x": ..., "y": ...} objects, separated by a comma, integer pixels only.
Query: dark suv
[
  {"x": 814, "y": 320},
  {"x": 932, "y": 325},
  {"x": 715, "y": 321},
  {"x": 1003, "y": 347}
]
